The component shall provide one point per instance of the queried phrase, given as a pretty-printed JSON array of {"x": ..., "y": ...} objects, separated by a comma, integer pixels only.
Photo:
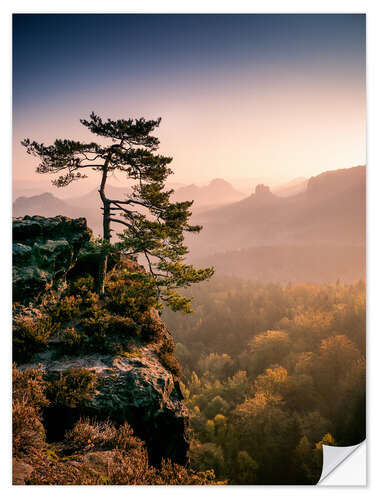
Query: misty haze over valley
[{"x": 304, "y": 230}]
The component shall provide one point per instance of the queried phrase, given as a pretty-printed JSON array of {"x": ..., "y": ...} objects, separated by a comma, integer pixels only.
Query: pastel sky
[{"x": 240, "y": 96}]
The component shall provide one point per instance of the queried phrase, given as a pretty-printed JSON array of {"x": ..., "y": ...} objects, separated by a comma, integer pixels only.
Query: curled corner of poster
[{"x": 344, "y": 465}]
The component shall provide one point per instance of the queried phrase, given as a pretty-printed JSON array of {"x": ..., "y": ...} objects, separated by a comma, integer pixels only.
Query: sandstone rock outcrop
[
  {"x": 136, "y": 390},
  {"x": 134, "y": 386},
  {"x": 44, "y": 249}
]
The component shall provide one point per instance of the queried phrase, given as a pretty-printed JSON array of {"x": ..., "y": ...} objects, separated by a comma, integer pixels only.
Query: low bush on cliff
[
  {"x": 29, "y": 398},
  {"x": 151, "y": 329},
  {"x": 92, "y": 452},
  {"x": 67, "y": 309},
  {"x": 88, "y": 435},
  {"x": 72, "y": 341},
  {"x": 72, "y": 388},
  {"x": 101, "y": 325},
  {"x": 130, "y": 294},
  {"x": 99, "y": 332},
  {"x": 167, "y": 357},
  {"x": 84, "y": 286},
  {"x": 30, "y": 336},
  {"x": 28, "y": 430},
  {"x": 104, "y": 455},
  {"x": 81, "y": 323}
]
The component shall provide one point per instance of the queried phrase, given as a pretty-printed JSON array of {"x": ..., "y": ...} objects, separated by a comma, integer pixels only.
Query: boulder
[
  {"x": 44, "y": 249},
  {"x": 138, "y": 390}
]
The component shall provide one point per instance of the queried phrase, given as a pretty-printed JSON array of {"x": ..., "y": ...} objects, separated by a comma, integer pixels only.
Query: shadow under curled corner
[{"x": 344, "y": 465}]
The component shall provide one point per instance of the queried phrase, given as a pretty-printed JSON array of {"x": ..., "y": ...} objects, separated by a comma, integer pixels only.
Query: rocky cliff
[
  {"x": 44, "y": 250},
  {"x": 139, "y": 390},
  {"x": 119, "y": 343}
]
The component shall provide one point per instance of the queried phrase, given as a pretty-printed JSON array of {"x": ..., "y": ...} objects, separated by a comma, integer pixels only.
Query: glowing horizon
[{"x": 276, "y": 96}]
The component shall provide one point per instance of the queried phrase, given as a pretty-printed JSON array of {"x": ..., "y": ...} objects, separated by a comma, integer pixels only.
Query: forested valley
[{"x": 270, "y": 374}]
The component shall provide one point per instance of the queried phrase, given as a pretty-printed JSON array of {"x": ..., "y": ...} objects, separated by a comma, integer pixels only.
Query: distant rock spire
[{"x": 262, "y": 189}]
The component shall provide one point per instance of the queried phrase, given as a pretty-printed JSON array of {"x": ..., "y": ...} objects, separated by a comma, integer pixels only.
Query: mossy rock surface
[
  {"x": 134, "y": 382},
  {"x": 44, "y": 250},
  {"x": 139, "y": 390}
]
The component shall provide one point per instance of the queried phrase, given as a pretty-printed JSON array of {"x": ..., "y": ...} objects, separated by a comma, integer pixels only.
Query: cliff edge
[{"x": 104, "y": 360}]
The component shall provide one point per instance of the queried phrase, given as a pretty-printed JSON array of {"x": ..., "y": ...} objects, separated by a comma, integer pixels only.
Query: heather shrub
[
  {"x": 120, "y": 326},
  {"x": 30, "y": 336},
  {"x": 28, "y": 430},
  {"x": 102, "y": 331},
  {"x": 66, "y": 309},
  {"x": 151, "y": 329},
  {"x": 95, "y": 329},
  {"x": 87, "y": 435},
  {"x": 102, "y": 322},
  {"x": 82, "y": 286},
  {"x": 129, "y": 294},
  {"x": 71, "y": 341},
  {"x": 125, "y": 440},
  {"x": 174, "y": 474},
  {"x": 106, "y": 456},
  {"x": 29, "y": 385},
  {"x": 167, "y": 358},
  {"x": 72, "y": 388},
  {"x": 29, "y": 398}
]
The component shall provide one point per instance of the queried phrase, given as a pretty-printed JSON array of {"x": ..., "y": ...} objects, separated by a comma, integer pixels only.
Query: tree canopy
[
  {"x": 154, "y": 226},
  {"x": 270, "y": 374}
]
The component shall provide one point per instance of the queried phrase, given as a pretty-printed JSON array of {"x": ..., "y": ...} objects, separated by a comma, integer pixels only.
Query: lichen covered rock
[
  {"x": 137, "y": 390},
  {"x": 44, "y": 249},
  {"x": 118, "y": 341}
]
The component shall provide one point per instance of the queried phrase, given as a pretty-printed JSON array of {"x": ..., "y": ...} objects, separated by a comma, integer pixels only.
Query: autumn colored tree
[
  {"x": 272, "y": 375},
  {"x": 154, "y": 226}
]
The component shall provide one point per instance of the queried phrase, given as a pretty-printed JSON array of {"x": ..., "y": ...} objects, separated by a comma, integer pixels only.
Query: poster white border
[{"x": 143, "y": 6}]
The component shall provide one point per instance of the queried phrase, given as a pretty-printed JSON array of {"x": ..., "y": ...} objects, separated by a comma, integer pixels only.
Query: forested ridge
[{"x": 270, "y": 374}]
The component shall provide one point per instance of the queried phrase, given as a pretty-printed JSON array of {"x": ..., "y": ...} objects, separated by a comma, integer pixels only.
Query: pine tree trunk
[
  {"x": 106, "y": 232},
  {"x": 104, "y": 256}
]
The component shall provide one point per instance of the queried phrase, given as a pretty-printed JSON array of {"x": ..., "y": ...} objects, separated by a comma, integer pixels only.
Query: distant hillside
[
  {"x": 291, "y": 188},
  {"x": 319, "y": 232},
  {"x": 49, "y": 205},
  {"x": 288, "y": 263},
  {"x": 337, "y": 181},
  {"x": 92, "y": 198},
  {"x": 45, "y": 204},
  {"x": 217, "y": 192},
  {"x": 330, "y": 212}
]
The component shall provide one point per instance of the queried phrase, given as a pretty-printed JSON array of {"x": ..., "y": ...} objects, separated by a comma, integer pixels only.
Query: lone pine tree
[{"x": 153, "y": 224}]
